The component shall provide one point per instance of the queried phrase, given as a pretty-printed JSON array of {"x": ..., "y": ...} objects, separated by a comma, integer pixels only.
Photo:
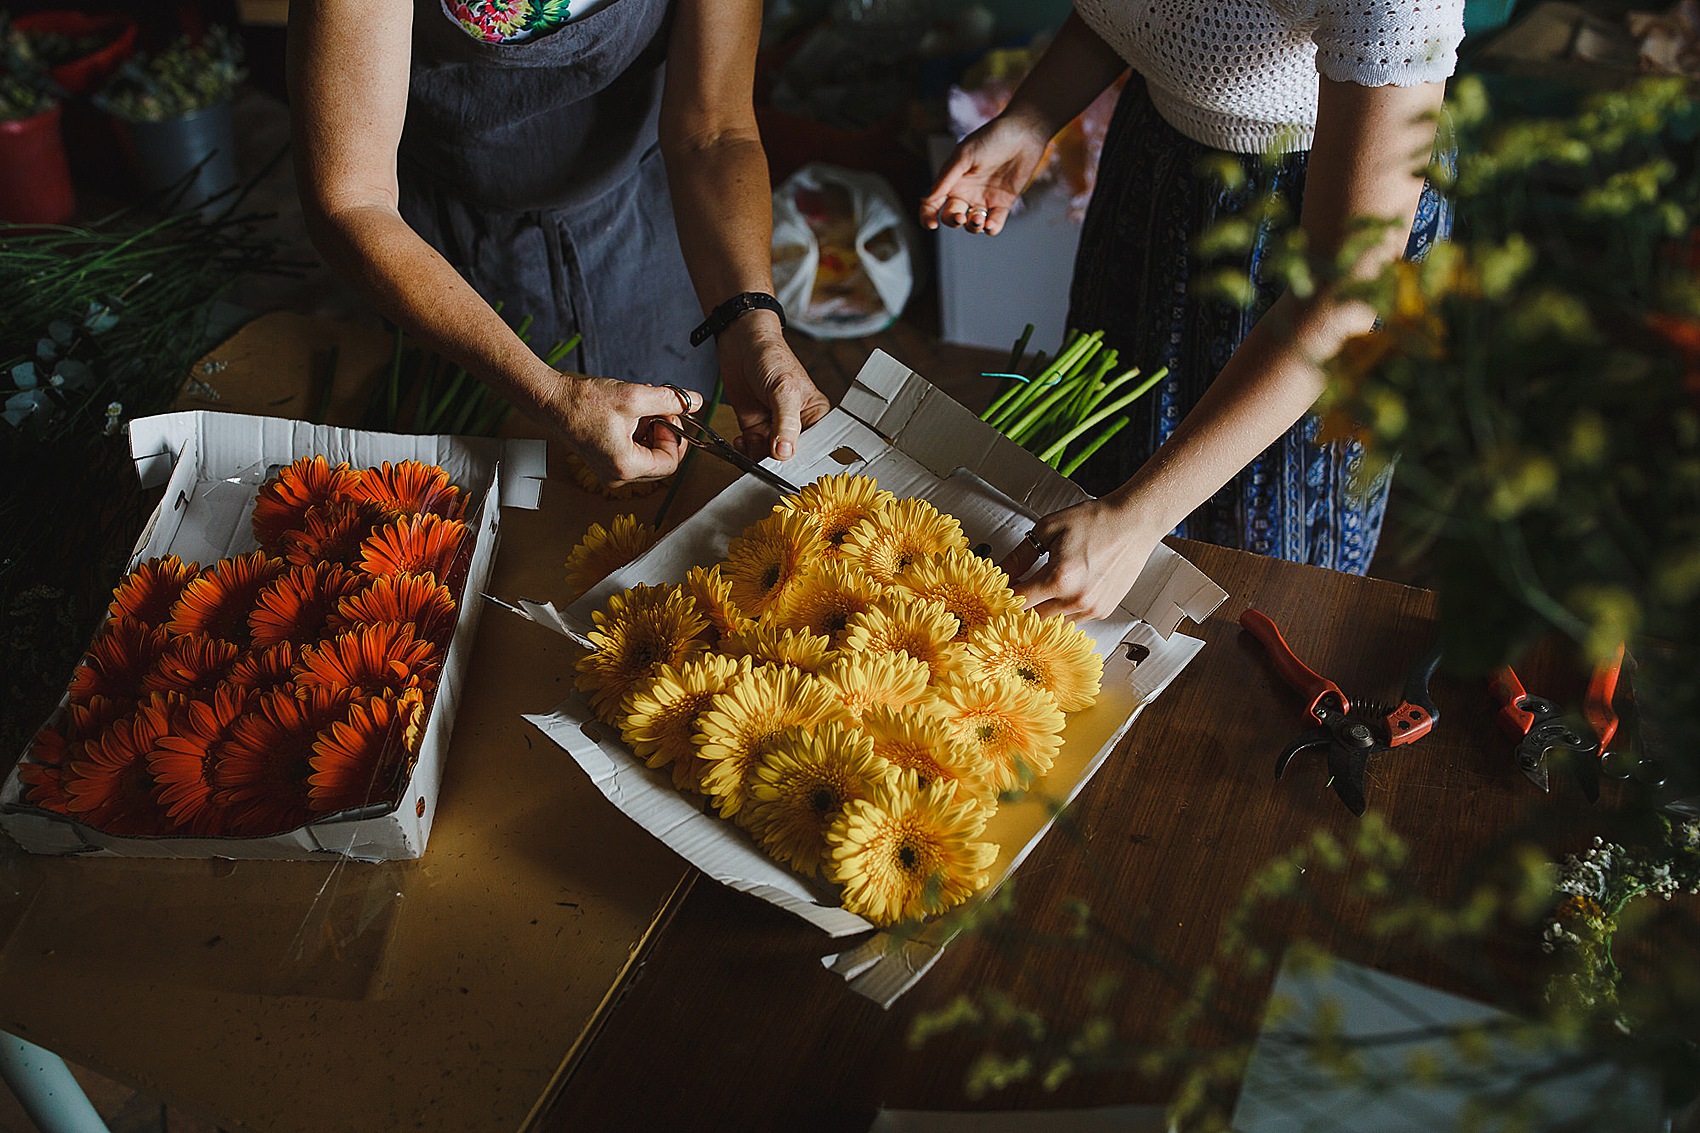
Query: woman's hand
[
  {"x": 989, "y": 170},
  {"x": 767, "y": 387},
  {"x": 1096, "y": 552},
  {"x": 612, "y": 426}
]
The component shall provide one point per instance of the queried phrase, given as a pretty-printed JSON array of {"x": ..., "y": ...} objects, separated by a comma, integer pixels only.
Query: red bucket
[
  {"x": 35, "y": 182},
  {"x": 85, "y": 75}
]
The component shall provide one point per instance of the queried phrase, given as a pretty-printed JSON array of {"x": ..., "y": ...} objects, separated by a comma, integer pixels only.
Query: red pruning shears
[
  {"x": 1541, "y": 728},
  {"x": 1351, "y": 734}
]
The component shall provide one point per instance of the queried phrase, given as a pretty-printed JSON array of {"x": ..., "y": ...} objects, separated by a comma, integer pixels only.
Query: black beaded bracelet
[{"x": 733, "y": 309}]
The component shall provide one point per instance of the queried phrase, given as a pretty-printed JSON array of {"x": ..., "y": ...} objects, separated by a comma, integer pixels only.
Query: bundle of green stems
[
  {"x": 446, "y": 399},
  {"x": 1051, "y": 412}
]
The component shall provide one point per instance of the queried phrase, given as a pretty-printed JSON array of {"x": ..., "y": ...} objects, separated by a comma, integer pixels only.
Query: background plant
[
  {"x": 180, "y": 80},
  {"x": 25, "y": 89},
  {"x": 97, "y": 325},
  {"x": 1537, "y": 382}
]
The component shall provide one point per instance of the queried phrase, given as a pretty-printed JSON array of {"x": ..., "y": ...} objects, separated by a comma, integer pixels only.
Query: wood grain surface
[{"x": 732, "y": 1022}]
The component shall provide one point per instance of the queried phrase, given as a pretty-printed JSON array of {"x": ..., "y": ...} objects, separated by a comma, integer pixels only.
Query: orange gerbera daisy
[
  {"x": 112, "y": 788},
  {"x": 415, "y": 598},
  {"x": 185, "y": 764},
  {"x": 119, "y": 657},
  {"x": 148, "y": 592},
  {"x": 42, "y": 772},
  {"x": 298, "y": 604},
  {"x": 190, "y": 664},
  {"x": 423, "y": 544},
  {"x": 217, "y": 603},
  {"x": 411, "y": 488},
  {"x": 333, "y": 532},
  {"x": 260, "y": 669},
  {"x": 263, "y": 767},
  {"x": 283, "y": 501},
  {"x": 368, "y": 660},
  {"x": 355, "y": 760}
]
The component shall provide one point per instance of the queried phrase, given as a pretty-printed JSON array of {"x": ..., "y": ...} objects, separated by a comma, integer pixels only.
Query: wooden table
[
  {"x": 732, "y": 1023},
  {"x": 526, "y": 952}
]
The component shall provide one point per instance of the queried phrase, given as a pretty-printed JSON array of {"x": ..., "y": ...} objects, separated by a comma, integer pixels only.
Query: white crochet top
[{"x": 1241, "y": 75}]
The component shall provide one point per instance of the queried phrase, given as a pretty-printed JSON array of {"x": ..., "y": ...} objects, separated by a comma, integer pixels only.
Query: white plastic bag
[{"x": 842, "y": 252}]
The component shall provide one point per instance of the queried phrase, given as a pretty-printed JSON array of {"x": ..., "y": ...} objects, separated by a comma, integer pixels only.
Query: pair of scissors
[
  {"x": 693, "y": 432},
  {"x": 1542, "y": 728}
]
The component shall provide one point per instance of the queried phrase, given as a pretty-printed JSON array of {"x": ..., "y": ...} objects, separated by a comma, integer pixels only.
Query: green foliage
[
  {"x": 180, "y": 80},
  {"x": 1539, "y": 383},
  {"x": 25, "y": 89}
]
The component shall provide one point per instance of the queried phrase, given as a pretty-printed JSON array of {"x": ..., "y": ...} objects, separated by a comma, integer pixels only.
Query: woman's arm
[
  {"x": 993, "y": 165},
  {"x": 1371, "y": 147},
  {"x": 348, "y": 70},
  {"x": 723, "y": 205}
]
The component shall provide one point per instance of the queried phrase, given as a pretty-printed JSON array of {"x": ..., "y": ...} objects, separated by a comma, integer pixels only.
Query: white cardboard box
[
  {"x": 212, "y": 464},
  {"x": 897, "y": 428}
]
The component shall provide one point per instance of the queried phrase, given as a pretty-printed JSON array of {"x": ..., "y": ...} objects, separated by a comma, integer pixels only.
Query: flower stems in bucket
[{"x": 1051, "y": 411}]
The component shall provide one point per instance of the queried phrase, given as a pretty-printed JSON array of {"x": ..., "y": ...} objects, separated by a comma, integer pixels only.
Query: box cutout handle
[
  {"x": 1136, "y": 652},
  {"x": 846, "y": 455}
]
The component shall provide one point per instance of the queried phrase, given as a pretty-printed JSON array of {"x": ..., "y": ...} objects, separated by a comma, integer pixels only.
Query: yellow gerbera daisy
[
  {"x": 770, "y": 557},
  {"x": 1050, "y": 655},
  {"x": 862, "y": 681},
  {"x": 838, "y": 503},
  {"x": 641, "y": 630},
  {"x": 592, "y": 483},
  {"x": 886, "y": 543},
  {"x": 711, "y": 592},
  {"x": 802, "y": 783},
  {"x": 743, "y": 721},
  {"x": 791, "y": 648},
  {"x": 973, "y": 589},
  {"x": 924, "y": 630},
  {"x": 918, "y": 738},
  {"x": 604, "y": 550},
  {"x": 907, "y": 853},
  {"x": 661, "y": 713},
  {"x": 1016, "y": 730},
  {"x": 826, "y": 597}
]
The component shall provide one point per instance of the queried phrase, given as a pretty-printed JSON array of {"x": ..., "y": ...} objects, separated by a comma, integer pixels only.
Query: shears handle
[
  {"x": 1312, "y": 685},
  {"x": 1509, "y": 691},
  {"x": 1602, "y": 689}
]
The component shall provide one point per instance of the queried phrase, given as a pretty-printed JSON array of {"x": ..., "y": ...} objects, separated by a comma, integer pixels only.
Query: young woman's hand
[
  {"x": 1095, "y": 552},
  {"x": 767, "y": 387},
  {"x": 988, "y": 172}
]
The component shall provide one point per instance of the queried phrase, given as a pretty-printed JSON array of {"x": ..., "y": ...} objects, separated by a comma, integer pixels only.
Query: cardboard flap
[{"x": 525, "y": 465}]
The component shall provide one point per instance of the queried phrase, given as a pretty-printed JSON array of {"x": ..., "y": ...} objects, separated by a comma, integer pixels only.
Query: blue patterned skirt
[{"x": 1132, "y": 280}]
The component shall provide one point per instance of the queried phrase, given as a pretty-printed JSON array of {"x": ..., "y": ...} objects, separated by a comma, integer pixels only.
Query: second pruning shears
[
  {"x": 695, "y": 433},
  {"x": 1541, "y": 728},
  {"x": 1350, "y": 733}
]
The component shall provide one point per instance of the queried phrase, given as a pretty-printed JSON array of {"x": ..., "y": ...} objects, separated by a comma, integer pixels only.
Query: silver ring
[
  {"x": 1032, "y": 540},
  {"x": 684, "y": 397}
]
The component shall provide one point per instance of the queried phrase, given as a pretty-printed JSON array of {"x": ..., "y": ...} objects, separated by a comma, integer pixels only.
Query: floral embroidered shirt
[{"x": 512, "y": 21}]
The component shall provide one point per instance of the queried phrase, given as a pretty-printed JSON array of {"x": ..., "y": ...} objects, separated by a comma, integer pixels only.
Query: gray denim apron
[{"x": 534, "y": 168}]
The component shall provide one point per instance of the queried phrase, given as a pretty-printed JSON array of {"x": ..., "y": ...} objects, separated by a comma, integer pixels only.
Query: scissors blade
[{"x": 718, "y": 446}]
